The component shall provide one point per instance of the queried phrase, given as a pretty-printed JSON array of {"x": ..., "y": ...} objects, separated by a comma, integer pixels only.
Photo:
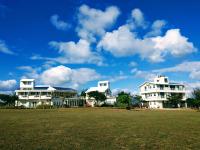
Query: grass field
[{"x": 94, "y": 128}]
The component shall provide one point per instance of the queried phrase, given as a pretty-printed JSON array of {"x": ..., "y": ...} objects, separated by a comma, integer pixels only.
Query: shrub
[
  {"x": 120, "y": 105},
  {"x": 44, "y": 107},
  {"x": 12, "y": 107}
]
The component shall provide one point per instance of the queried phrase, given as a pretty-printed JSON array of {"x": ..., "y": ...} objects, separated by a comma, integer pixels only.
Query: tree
[
  {"x": 83, "y": 94},
  {"x": 98, "y": 96},
  {"x": 195, "y": 100},
  {"x": 124, "y": 98},
  {"x": 175, "y": 99},
  {"x": 138, "y": 98},
  {"x": 8, "y": 99},
  {"x": 191, "y": 102}
]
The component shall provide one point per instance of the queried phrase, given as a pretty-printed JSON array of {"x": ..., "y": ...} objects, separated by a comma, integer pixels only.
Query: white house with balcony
[
  {"x": 102, "y": 87},
  {"x": 31, "y": 95},
  {"x": 155, "y": 93}
]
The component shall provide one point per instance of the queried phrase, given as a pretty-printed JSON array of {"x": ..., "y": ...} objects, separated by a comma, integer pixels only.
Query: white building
[
  {"x": 102, "y": 87},
  {"x": 155, "y": 93},
  {"x": 31, "y": 95}
]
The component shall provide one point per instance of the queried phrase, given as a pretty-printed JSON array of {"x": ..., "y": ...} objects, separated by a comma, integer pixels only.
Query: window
[
  {"x": 154, "y": 94},
  {"x": 172, "y": 87},
  {"x": 166, "y": 80},
  {"x": 103, "y": 84}
]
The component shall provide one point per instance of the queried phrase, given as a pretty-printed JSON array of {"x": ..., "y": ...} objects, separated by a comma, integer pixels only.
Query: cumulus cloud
[
  {"x": 30, "y": 72},
  {"x": 61, "y": 75},
  {"x": 122, "y": 42},
  {"x": 147, "y": 75},
  {"x": 119, "y": 42},
  {"x": 156, "y": 28},
  {"x": 191, "y": 67},
  {"x": 4, "y": 48},
  {"x": 116, "y": 91},
  {"x": 174, "y": 42},
  {"x": 59, "y": 24},
  {"x": 133, "y": 64},
  {"x": 7, "y": 85},
  {"x": 93, "y": 22},
  {"x": 118, "y": 78},
  {"x": 79, "y": 52},
  {"x": 137, "y": 19},
  {"x": 56, "y": 75}
]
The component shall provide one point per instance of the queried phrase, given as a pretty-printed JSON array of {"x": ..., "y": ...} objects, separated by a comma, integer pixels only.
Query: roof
[
  {"x": 173, "y": 83},
  {"x": 92, "y": 89},
  {"x": 64, "y": 89},
  {"x": 170, "y": 83},
  {"x": 96, "y": 89},
  {"x": 48, "y": 87},
  {"x": 1, "y": 101},
  {"x": 27, "y": 80}
]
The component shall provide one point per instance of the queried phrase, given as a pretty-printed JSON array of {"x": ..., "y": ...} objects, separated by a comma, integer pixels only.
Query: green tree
[
  {"x": 98, "y": 96},
  {"x": 175, "y": 99},
  {"x": 138, "y": 98},
  {"x": 191, "y": 102},
  {"x": 195, "y": 100},
  {"x": 8, "y": 99},
  {"x": 124, "y": 98},
  {"x": 83, "y": 94}
]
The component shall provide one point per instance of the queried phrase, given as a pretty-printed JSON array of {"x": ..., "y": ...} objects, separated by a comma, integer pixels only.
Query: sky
[{"x": 73, "y": 43}]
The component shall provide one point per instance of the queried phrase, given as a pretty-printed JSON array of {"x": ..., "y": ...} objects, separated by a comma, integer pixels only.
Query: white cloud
[
  {"x": 119, "y": 42},
  {"x": 133, "y": 64},
  {"x": 138, "y": 18},
  {"x": 59, "y": 24},
  {"x": 30, "y": 72},
  {"x": 77, "y": 53},
  {"x": 116, "y": 91},
  {"x": 93, "y": 22},
  {"x": 122, "y": 42},
  {"x": 147, "y": 75},
  {"x": 174, "y": 43},
  {"x": 191, "y": 67},
  {"x": 156, "y": 28},
  {"x": 62, "y": 75},
  {"x": 56, "y": 75},
  {"x": 118, "y": 78},
  {"x": 4, "y": 48},
  {"x": 7, "y": 85},
  {"x": 84, "y": 75}
]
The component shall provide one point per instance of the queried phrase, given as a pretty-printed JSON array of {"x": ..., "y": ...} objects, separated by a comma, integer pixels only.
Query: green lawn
[{"x": 94, "y": 128}]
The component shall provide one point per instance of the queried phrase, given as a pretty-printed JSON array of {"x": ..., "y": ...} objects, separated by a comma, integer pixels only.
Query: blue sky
[{"x": 76, "y": 43}]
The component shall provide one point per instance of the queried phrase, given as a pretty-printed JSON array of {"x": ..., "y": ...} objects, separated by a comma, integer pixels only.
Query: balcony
[{"x": 169, "y": 90}]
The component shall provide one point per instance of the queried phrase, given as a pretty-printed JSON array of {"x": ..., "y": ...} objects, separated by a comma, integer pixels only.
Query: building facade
[
  {"x": 155, "y": 93},
  {"x": 31, "y": 95},
  {"x": 102, "y": 87}
]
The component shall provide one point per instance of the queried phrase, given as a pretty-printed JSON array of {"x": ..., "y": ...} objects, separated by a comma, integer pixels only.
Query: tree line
[
  {"x": 9, "y": 100},
  {"x": 124, "y": 99}
]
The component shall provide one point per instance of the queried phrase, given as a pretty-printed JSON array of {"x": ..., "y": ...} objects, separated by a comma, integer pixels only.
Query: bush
[
  {"x": 44, "y": 107},
  {"x": 106, "y": 105},
  {"x": 120, "y": 105},
  {"x": 12, "y": 107},
  {"x": 128, "y": 108}
]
